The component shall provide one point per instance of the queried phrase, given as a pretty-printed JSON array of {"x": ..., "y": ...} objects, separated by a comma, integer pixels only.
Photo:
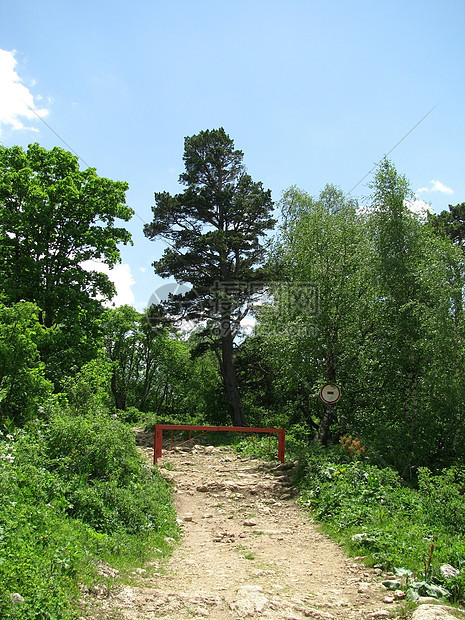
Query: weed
[
  {"x": 372, "y": 513},
  {"x": 74, "y": 492}
]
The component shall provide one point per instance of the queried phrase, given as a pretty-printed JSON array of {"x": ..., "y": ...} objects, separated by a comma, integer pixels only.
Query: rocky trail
[{"x": 247, "y": 551}]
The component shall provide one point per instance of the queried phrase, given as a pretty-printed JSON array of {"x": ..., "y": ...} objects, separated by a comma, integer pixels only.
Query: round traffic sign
[{"x": 330, "y": 393}]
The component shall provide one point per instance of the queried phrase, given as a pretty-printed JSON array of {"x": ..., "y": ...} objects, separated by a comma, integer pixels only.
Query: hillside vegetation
[{"x": 370, "y": 299}]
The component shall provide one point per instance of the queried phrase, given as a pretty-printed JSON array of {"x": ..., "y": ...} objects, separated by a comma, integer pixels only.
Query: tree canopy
[
  {"x": 215, "y": 229},
  {"x": 53, "y": 218}
]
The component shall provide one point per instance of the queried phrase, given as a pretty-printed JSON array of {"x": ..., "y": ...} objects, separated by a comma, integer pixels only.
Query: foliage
[
  {"x": 87, "y": 390},
  {"x": 374, "y": 513},
  {"x": 371, "y": 299},
  {"x": 53, "y": 218},
  {"x": 75, "y": 493},
  {"x": 23, "y": 387},
  {"x": 317, "y": 310},
  {"x": 411, "y": 361},
  {"x": 215, "y": 229},
  {"x": 442, "y": 495},
  {"x": 153, "y": 370},
  {"x": 451, "y": 223}
]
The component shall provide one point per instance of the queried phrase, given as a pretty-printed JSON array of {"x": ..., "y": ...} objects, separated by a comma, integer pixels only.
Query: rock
[
  {"x": 382, "y": 613},
  {"x": 249, "y": 600},
  {"x": 316, "y": 613},
  {"x": 449, "y": 571},
  {"x": 107, "y": 571},
  {"x": 433, "y": 612},
  {"x": 16, "y": 598},
  {"x": 249, "y": 523}
]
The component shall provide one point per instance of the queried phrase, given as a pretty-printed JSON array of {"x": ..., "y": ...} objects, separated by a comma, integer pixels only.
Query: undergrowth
[
  {"x": 412, "y": 530},
  {"x": 75, "y": 493}
]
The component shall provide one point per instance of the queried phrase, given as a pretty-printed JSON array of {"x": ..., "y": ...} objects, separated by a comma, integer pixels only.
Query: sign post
[{"x": 330, "y": 393}]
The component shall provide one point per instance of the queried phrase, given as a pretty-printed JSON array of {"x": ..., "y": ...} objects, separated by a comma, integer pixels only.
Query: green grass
[
  {"x": 75, "y": 493},
  {"x": 373, "y": 513}
]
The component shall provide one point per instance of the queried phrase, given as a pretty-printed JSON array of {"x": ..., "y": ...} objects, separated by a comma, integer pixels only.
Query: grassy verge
[
  {"x": 75, "y": 495},
  {"x": 411, "y": 531}
]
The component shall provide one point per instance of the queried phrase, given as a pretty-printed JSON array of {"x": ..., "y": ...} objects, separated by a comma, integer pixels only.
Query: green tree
[
  {"x": 315, "y": 314},
  {"x": 53, "y": 218},
  {"x": 139, "y": 355},
  {"x": 412, "y": 363},
  {"x": 451, "y": 223},
  {"x": 23, "y": 387},
  {"x": 387, "y": 325},
  {"x": 215, "y": 228}
]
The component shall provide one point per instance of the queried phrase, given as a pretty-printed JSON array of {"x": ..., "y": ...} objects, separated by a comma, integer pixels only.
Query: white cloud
[
  {"x": 16, "y": 102},
  {"x": 121, "y": 277},
  {"x": 436, "y": 186},
  {"x": 419, "y": 207}
]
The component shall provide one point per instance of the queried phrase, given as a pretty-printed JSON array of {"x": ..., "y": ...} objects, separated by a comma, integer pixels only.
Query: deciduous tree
[{"x": 53, "y": 218}]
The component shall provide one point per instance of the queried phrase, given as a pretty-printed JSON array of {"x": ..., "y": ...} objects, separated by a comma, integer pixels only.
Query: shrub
[
  {"x": 442, "y": 498},
  {"x": 375, "y": 514},
  {"x": 74, "y": 492}
]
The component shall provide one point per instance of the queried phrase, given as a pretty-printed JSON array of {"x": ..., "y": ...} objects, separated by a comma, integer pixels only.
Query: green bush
[
  {"x": 374, "y": 513},
  {"x": 74, "y": 492},
  {"x": 443, "y": 499},
  {"x": 92, "y": 447}
]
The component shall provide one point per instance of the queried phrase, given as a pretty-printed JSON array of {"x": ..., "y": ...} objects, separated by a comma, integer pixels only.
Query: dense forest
[{"x": 285, "y": 296}]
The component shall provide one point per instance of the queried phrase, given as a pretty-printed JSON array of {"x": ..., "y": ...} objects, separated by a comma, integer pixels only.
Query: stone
[
  {"x": 249, "y": 600},
  {"x": 310, "y": 612},
  {"x": 449, "y": 571},
  {"x": 433, "y": 612},
  {"x": 107, "y": 571},
  {"x": 16, "y": 598}
]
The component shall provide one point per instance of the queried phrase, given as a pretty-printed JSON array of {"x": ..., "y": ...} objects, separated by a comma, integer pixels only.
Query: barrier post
[
  {"x": 281, "y": 444},
  {"x": 157, "y": 442},
  {"x": 159, "y": 428}
]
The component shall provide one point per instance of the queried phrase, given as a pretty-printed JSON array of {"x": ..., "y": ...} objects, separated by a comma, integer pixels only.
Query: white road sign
[{"x": 330, "y": 393}]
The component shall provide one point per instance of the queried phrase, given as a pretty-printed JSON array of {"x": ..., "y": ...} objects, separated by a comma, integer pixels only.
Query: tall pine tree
[{"x": 215, "y": 229}]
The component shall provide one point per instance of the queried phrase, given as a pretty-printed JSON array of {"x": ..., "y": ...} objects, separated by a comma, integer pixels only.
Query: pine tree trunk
[{"x": 229, "y": 376}]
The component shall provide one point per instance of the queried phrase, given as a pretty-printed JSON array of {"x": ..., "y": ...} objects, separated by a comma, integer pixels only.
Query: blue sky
[{"x": 313, "y": 92}]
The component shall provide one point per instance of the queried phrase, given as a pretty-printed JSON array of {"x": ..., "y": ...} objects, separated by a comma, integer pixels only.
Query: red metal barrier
[{"x": 159, "y": 428}]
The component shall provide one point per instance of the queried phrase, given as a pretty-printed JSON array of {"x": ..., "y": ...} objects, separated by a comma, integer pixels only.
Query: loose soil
[{"x": 247, "y": 551}]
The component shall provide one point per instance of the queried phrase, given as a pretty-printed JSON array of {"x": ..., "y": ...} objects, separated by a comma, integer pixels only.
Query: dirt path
[{"x": 247, "y": 551}]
